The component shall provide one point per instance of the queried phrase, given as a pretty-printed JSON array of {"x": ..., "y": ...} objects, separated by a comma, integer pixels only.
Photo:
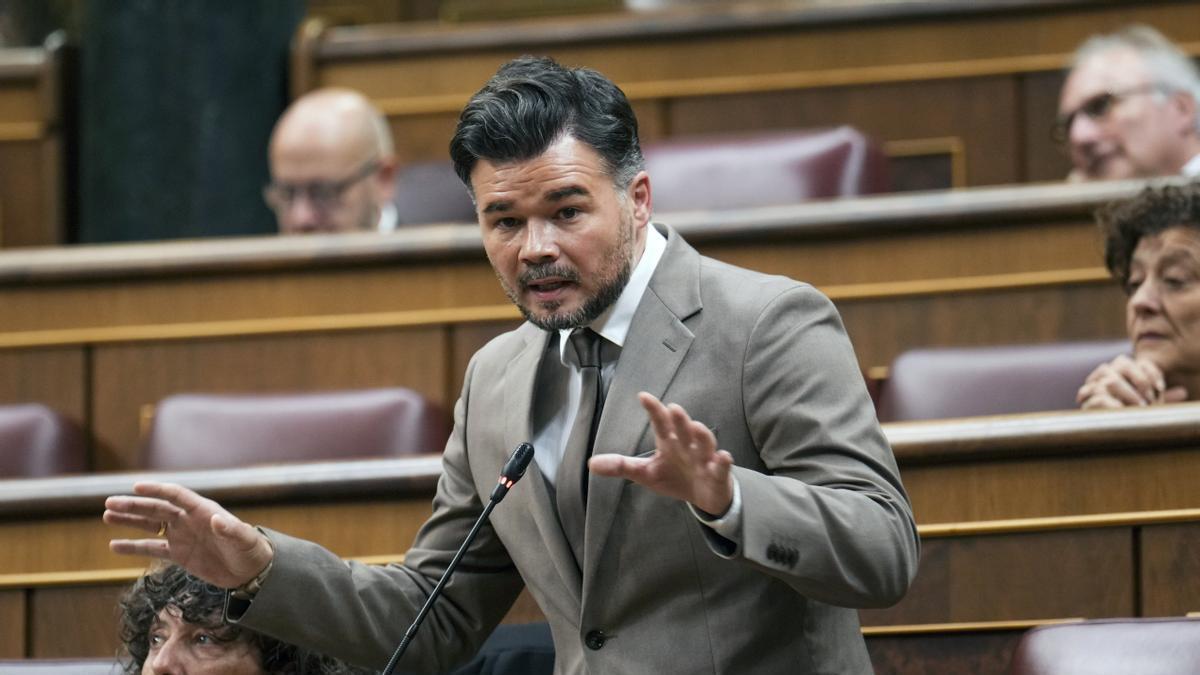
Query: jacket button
[{"x": 595, "y": 639}]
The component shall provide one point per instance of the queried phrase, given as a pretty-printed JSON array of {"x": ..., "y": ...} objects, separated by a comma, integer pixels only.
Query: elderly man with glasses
[
  {"x": 332, "y": 166},
  {"x": 1129, "y": 108}
]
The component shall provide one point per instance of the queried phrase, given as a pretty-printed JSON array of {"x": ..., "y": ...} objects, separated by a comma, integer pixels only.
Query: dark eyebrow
[
  {"x": 552, "y": 196},
  {"x": 1176, "y": 257},
  {"x": 559, "y": 195}
]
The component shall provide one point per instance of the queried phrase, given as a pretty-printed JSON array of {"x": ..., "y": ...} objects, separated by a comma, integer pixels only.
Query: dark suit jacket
[{"x": 762, "y": 360}]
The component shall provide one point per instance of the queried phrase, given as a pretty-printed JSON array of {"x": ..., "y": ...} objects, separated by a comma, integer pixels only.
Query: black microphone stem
[
  {"x": 513, "y": 469},
  {"x": 437, "y": 590}
]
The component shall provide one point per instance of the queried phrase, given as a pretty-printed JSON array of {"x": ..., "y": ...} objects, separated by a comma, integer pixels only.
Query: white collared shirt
[
  {"x": 1192, "y": 168},
  {"x": 556, "y": 398},
  {"x": 387, "y": 218},
  {"x": 559, "y": 381}
]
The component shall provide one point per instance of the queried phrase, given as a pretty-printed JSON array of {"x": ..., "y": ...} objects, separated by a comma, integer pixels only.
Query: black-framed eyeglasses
[
  {"x": 1096, "y": 108},
  {"x": 323, "y": 195}
]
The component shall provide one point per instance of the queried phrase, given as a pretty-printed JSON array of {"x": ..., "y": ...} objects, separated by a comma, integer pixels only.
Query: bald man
[
  {"x": 1129, "y": 108},
  {"x": 332, "y": 166}
]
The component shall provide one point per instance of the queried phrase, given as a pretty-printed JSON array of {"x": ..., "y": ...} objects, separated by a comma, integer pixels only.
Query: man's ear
[
  {"x": 384, "y": 179},
  {"x": 1183, "y": 104},
  {"x": 640, "y": 198}
]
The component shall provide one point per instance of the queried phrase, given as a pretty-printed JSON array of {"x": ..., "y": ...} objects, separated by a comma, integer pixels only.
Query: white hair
[{"x": 1171, "y": 69}]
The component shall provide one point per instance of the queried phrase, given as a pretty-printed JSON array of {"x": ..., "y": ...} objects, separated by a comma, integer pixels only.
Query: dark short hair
[
  {"x": 200, "y": 603},
  {"x": 533, "y": 101},
  {"x": 1153, "y": 210}
]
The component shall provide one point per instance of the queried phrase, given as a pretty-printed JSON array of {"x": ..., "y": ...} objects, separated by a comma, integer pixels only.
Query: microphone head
[
  {"x": 513, "y": 469},
  {"x": 518, "y": 462}
]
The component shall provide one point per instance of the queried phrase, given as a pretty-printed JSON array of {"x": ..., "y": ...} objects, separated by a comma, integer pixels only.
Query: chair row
[
  {"x": 201, "y": 431},
  {"x": 192, "y": 431},
  {"x": 698, "y": 173},
  {"x": 943, "y": 383}
]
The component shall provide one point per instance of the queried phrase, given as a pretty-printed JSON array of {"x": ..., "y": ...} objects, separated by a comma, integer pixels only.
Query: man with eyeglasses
[
  {"x": 1129, "y": 108},
  {"x": 332, "y": 166}
]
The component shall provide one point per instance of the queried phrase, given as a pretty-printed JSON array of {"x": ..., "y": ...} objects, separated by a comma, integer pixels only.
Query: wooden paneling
[
  {"x": 883, "y": 328},
  {"x": 12, "y": 618},
  {"x": 126, "y": 377},
  {"x": 919, "y": 253},
  {"x": 465, "y": 340},
  {"x": 237, "y": 294},
  {"x": 31, "y": 157},
  {"x": 74, "y": 621},
  {"x": 25, "y": 195},
  {"x": 52, "y": 376},
  {"x": 1044, "y": 159},
  {"x": 1170, "y": 561},
  {"x": 1045, "y": 575},
  {"x": 983, "y": 73},
  {"x": 978, "y": 111},
  {"x": 921, "y": 653},
  {"x": 356, "y": 528},
  {"x": 1079, "y": 484},
  {"x": 101, "y": 331},
  {"x": 1067, "y": 463}
]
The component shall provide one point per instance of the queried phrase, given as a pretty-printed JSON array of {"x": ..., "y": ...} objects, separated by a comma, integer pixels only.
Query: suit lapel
[
  {"x": 655, "y": 347},
  {"x": 520, "y": 376}
]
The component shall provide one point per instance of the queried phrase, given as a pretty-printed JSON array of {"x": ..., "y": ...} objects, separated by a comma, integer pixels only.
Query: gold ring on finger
[{"x": 162, "y": 529}]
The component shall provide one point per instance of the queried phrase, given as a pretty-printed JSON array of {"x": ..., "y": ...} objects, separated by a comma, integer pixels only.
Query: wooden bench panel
[{"x": 1042, "y": 575}]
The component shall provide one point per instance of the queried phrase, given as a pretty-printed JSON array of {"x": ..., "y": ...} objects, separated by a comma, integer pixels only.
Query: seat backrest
[
  {"x": 766, "y": 169},
  {"x": 1110, "y": 647},
  {"x": 198, "y": 431},
  {"x": 689, "y": 173},
  {"x": 963, "y": 382},
  {"x": 59, "y": 667},
  {"x": 430, "y": 192},
  {"x": 36, "y": 441}
]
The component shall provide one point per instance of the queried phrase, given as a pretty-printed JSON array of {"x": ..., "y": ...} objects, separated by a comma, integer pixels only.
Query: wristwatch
[{"x": 248, "y": 590}]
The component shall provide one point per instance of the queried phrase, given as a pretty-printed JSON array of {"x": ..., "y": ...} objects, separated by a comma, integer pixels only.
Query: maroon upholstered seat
[
  {"x": 59, "y": 667},
  {"x": 36, "y": 441},
  {"x": 1111, "y": 647},
  {"x": 197, "y": 431},
  {"x": 767, "y": 169},
  {"x": 962, "y": 382},
  {"x": 705, "y": 172},
  {"x": 430, "y": 192}
]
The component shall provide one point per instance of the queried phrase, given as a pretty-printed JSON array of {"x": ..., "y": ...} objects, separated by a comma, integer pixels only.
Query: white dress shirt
[
  {"x": 559, "y": 382},
  {"x": 559, "y": 379},
  {"x": 387, "y": 218},
  {"x": 1192, "y": 168}
]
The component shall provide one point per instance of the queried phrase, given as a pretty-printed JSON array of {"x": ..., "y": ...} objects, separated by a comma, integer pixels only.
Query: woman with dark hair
[
  {"x": 1153, "y": 248},
  {"x": 171, "y": 623}
]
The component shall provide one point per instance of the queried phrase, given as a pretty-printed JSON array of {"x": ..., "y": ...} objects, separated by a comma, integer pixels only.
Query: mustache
[{"x": 546, "y": 270}]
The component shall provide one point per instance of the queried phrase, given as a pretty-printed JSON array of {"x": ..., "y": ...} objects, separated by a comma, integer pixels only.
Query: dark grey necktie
[{"x": 571, "y": 479}]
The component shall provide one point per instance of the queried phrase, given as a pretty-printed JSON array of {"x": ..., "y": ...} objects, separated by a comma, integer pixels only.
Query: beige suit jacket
[{"x": 765, "y": 362}]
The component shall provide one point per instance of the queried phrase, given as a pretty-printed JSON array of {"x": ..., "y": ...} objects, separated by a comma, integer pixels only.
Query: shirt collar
[
  {"x": 388, "y": 217},
  {"x": 613, "y": 324},
  {"x": 1192, "y": 168}
]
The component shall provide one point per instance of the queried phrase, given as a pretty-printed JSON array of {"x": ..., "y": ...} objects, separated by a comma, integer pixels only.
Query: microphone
[{"x": 513, "y": 469}]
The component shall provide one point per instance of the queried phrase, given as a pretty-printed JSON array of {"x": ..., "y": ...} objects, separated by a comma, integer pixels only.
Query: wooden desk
[
  {"x": 961, "y": 93},
  {"x": 1077, "y": 554},
  {"x": 99, "y": 331},
  {"x": 31, "y": 146}
]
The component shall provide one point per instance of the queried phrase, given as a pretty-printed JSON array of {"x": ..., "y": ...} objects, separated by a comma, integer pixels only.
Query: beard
[{"x": 614, "y": 275}]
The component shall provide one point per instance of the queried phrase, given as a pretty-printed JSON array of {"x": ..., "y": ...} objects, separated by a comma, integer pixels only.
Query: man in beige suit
[{"x": 728, "y": 532}]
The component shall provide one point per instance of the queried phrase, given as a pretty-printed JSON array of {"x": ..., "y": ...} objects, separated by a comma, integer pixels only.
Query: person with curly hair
[
  {"x": 1153, "y": 249},
  {"x": 171, "y": 623}
]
